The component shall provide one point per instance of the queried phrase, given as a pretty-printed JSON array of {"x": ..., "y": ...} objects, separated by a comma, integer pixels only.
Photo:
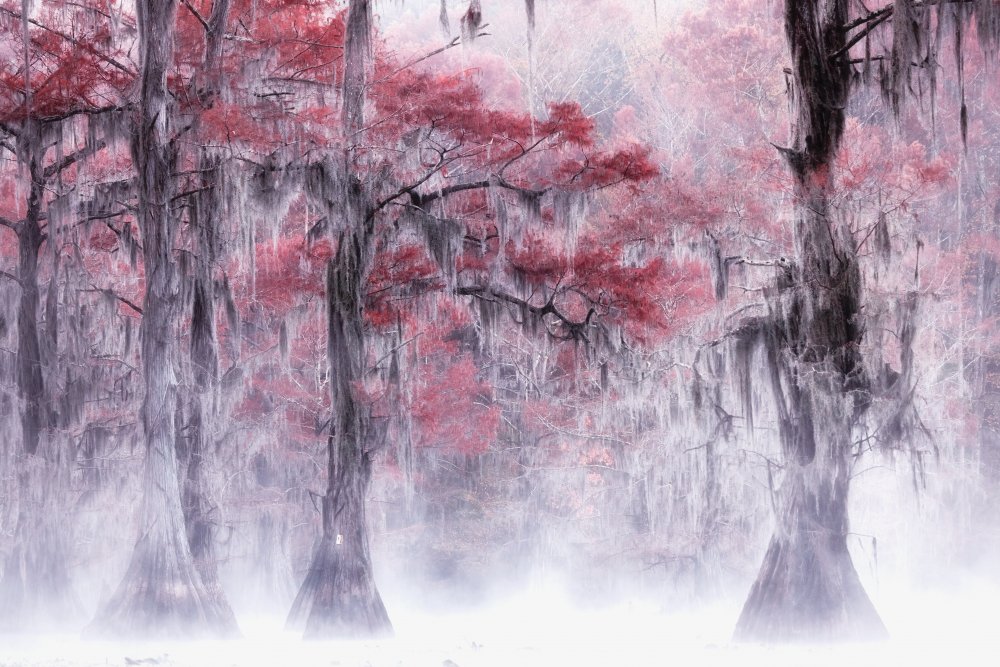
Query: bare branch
[
  {"x": 9, "y": 129},
  {"x": 524, "y": 151},
  {"x": 72, "y": 158},
  {"x": 197, "y": 15},
  {"x": 452, "y": 44},
  {"x": 781, "y": 262},
  {"x": 106, "y": 215},
  {"x": 409, "y": 189},
  {"x": 576, "y": 330},
  {"x": 109, "y": 292},
  {"x": 877, "y": 18},
  {"x": 422, "y": 200},
  {"x": 10, "y": 276},
  {"x": 190, "y": 193},
  {"x": 876, "y": 22},
  {"x": 877, "y": 15}
]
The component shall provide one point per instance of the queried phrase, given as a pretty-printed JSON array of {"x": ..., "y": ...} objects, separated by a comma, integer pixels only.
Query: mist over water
[
  {"x": 938, "y": 600},
  {"x": 544, "y": 626}
]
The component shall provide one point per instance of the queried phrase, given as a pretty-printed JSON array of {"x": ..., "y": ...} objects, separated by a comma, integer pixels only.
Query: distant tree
[
  {"x": 978, "y": 217},
  {"x": 62, "y": 75}
]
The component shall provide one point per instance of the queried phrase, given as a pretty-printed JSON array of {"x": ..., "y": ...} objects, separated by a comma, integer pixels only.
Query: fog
[
  {"x": 938, "y": 602},
  {"x": 543, "y": 626},
  {"x": 556, "y": 332}
]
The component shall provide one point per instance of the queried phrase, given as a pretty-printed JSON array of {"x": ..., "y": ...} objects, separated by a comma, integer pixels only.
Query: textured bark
[
  {"x": 162, "y": 592},
  {"x": 986, "y": 389},
  {"x": 338, "y": 597},
  {"x": 30, "y": 384},
  {"x": 199, "y": 512},
  {"x": 196, "y": 447},
  {"x": 807, "y": 587},
  {"x": 35, "y": 587}
]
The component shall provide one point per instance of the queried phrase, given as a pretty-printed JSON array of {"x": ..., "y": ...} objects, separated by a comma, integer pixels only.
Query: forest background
[{"x": 495, "y": 289}]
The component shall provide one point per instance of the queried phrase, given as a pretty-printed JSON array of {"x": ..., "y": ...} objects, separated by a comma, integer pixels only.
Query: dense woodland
[{"x": 301, "y": 295}]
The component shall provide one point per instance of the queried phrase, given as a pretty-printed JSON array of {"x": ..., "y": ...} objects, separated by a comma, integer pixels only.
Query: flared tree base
[
  {"x": 807, "y": 590},
  {"x": 162, "y": 595},
  {"x": 338, "y": 599}
]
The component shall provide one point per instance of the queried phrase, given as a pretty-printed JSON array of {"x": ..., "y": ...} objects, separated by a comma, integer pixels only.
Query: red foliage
[
  {"x": 287, "y": 270},
  {"x": 538, "y": 259},
  {"x": 75, "y": 62},
  {"x": 568, "y": 122},
  {"x": 275, "y": 71},
  {"x": 451, "y": 408},
  {"x": 631, "y": 165}
]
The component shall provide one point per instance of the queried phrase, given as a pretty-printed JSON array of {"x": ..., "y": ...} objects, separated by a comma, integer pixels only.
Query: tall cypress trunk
[
  {"x": 196, "y": 445},
  {"x": 30, "y": 385},
  {"x": 36, "y": 584},
  {"x": 807, "y": 587},
  {"x": 162, "y": 592},
  {"x": 199, "y": 512},
  {"x": 338, "y": 597}
]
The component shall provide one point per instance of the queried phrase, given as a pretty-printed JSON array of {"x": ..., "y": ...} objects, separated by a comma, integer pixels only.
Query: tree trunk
[
  {"x": 162, "y": 593},
  {"x": 35, "y": 587},
  {"x": 986, "y": 389},
  {"x": 199, "y": 512},
  {"x": 807, "y": 587},
  {"x": 30, "y": 384},
  {"x": 196, "y": 447},
  {"x": 338, "y": 597}
]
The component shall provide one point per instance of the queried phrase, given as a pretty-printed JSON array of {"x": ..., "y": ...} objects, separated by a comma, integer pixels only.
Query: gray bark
[
  {"x": 196, "y": 448},
  {"x": 986, "y": 369},
  {"x": 36, "y": 585},
  {"x": 30, "y": 384},
  {"x": 162, "y": 592},
  {"x": 338, "y": 597}
]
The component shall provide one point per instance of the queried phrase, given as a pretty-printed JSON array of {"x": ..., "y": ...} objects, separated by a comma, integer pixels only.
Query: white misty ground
[{"x": 949, "y": 629}]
